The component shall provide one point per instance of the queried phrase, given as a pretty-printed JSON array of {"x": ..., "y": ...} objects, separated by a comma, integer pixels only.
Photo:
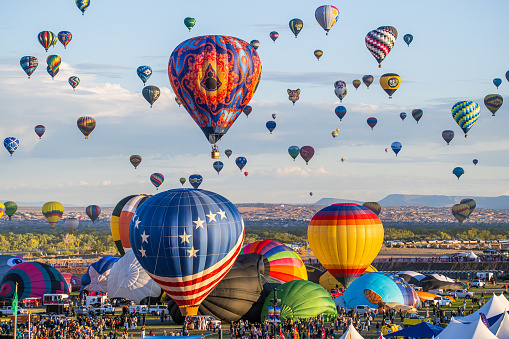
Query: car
[
  {"x": 208, "y": 318},
  {"x": 442, "y": 301},
  {"x": 103, "y": 309},
  {"x": 121, "y": 301},
  {"x": 361, "y": 309},
  {"x": 477, "y": 283},
  {"x": 462, "y": 293},
  {"x": 7, "y": 311},
  {"x": 157, "y": 310},
  {"x": 83, "y": 310}
]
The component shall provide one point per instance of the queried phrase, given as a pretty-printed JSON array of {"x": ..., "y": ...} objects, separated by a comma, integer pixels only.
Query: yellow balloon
[
  {"x": 2, "y": 209},
  {"x": 390, "y": 83},
  {"x": 53, "y": 211},
  {"x": 328, "y": 281}
]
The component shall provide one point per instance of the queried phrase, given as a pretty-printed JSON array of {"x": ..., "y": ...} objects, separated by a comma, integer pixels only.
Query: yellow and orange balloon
[
  {"x": 53, "y": 211},
  {"x": 345, "y": 238}
]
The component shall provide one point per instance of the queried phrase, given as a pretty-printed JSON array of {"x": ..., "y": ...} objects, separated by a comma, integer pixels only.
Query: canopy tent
[
  {"x": 494, "y": 319},
  {"x": 351, "y": 333},
  {"x": 498, "y": 304},
  {"x": 472, "y": 255},
  {"x": 421, "y": 330},
  {"x": 473, "y": 330},
  {"x": 501, "y": 327}
]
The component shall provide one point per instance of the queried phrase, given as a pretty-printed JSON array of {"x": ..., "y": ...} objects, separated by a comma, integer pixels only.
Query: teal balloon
[
  {"x": 465, "y": 113},
  {"x": 294, "y": 151},
  {"x": 497, "y": 82},
  {"x": 458, "y": 171}
]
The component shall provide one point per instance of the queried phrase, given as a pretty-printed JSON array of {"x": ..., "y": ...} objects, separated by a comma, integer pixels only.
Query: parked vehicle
[
  {"x": 83, "y": 310},
  {"x": 121, "y": 301},
  {"x": 361, "y": 309},
  {"x": 95, "y": 300},
  {"x": 157, "y": 310},
  {"x": 103, "y": 309},
  {"x": 462, "y": 293},
  {"x": 208, "y": 318},
  {"x": 7, "y": 311},
  {"x": 138, "y": 309},
  {"x": 477, "y": 283},
  {"x": 442, "y": 301}
]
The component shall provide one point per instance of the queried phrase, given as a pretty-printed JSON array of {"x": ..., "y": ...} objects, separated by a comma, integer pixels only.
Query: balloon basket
[
  {"x": 189, "y": 310},
  {"x": 214, "y": 155}
]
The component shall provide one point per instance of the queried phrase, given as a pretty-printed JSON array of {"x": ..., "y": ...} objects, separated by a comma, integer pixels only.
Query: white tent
[
  {"x": 495, "y": 306},
  {"x": 472, "y": 255},
  {"x": 501, "y": 327},
  {"x": 351, "y": 333},
  {"x": 473, "y": 330}
]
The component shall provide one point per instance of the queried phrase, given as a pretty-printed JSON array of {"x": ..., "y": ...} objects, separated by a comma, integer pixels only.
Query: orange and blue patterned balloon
[
  {"x": 493, "y": 102},
  {"x": 46, "y": 39},
  {"x": 157, "y": 179},
  {"x": 214, "y": 77},
  {"x": 195, "y": 180},
  {"x": 29, "y": 64},
  {"x": 86, "y": 125},
  {"x": 465, "y": 113},
  {"x": 64, "y": 37},
  {"x": 368, "y": 80},
  {"x": 11, "y": 144},
  {"x": 53, "y": 62},
  {"x": 74, "y": 81},
  {"x": 83, "y": 5},
  {"x": 417, "y": 114}
]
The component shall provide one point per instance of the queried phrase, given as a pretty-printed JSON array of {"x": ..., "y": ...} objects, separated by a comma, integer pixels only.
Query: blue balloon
[
  {"x": 187, "y": 240},
  {"x": 340, "y": 112},
  {"x": 11, "y": 144},
  {"x": 271, "y": 125},
  {"x": 241, "y": 162},
  {"x": 458, "y": 171},
  {"x": 402, "y": 115},
  {"x": 294, "y": 151},
  {"x": 195, "y": 180},
  {"x": 408, "y": 39},
  {"x": 144, "y": 72},
  {"x": 507, "y": 75},
  {"x": 396, "y": 147},
  {"x": 29, "y": 64},
  {"x": 97, "y": 274},
  {"x": 218, "y": 166},
  {"x": 497, "y": 82}
]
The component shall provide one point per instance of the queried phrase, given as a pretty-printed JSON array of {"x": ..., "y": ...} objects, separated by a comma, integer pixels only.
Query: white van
[
  {"x": 95, "y": 299},
  {"x": 138, "y": 309}
]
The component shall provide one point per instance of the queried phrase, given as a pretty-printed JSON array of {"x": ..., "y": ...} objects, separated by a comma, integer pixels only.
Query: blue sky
[{"x": 457, "y": 51}]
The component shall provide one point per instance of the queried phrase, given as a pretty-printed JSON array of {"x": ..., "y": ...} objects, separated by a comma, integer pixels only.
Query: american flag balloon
[{"x": 187, "y": 240}]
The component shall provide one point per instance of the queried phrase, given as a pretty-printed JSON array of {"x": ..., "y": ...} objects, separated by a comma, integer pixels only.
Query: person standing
[{"x": 143, "y": 332}]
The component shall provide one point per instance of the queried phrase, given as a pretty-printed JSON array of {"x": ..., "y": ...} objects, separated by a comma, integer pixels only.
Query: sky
[{"x": 458, "y": 49}]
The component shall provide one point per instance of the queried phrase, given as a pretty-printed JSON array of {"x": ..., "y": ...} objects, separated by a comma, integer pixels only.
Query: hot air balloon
[
  {"x": 293, "y": 95},
  {"x": 96, "y": 278},
  {"x": 55, "y": 40},
  {"x": 296, "y": 26},
  {"x": 53, "y": 211},
  {"x": 402, "y": 115},
  {"x": 380, "y": 42},
  {"x": 408, "y": 39},
  {"x": 10, "y": 208},
  {"x": 246, "y": 173},
  {"x": 460, "y": 212},
  {"x": 189, "y": 22},
  {"x": 7, "y": 262},
  {"x": 230, "y": 71},
  {"x": 54, "y": 62},
  {"x": 475, "y": 161},
  {"x": 241, "y": 162},
  {"x": 195, "y": 180},
  {"x": 247, "y": 110},
  {"x": 374, "y": 206},
  {"x": 255, "y": 44},
  {"x": 74, "y": 81},
  {"x": 448, "y": 135},
  {"x": 368, "y": 80},
  {"x": 11, "y": 144},
  {"x": 228, "y": 152},
  {"x": 186, "y": 269},
  {"x": 294, "y": 151},
  {"x": 115, "y": 221},
  {"x": 493, "y": 102},
  {"x": 372, "y": 122},
  {"x": 71, "y": 224},
  {"x": 307, "y": 152},
  {"x": 396, "y": 147},
  {"x": 39, "y": 130},
  {"x": 465, "y": 113},
  {"x": 151, "y": 94},
  {"x": 340, "y": 112},
  {"x": 271, "y": 125},
  {"x": 334, "y": 134},
  {"x": 29, "y": 64},
  {"x": 177, "y": 100},
  {"x": 458, "y": 171},
  {"x": 86, "y": 125},
  {"x": 318, "y": 54},
  {"x": 417, "y": 114},
  {"x": 144, "y": 73},
  {"x": 218, "y": 166},
  {"x": 135, "y": 160},
  {"x": 83, "y": 5},
  {"x": 182, "y": 181},
  {"x": 386, "y": 150},
  {"x": 33, "y": 280},
  {"x": 274, "y": 35},
  {"x": 311, "y": 194},
  {"x": 127, "y": 279},
  {"x": 470, "y": 203},
  {"x": 390, "y": 83},
  {"x": 497, "y": 82},
  {"x": 46, "y": 39},
  {"x": 274, "y": 115},
  {"x": 126, "y": 215},
  {"x": 340, "y": 89},
  {"x": 285, "y": 264},
  {"x": 2, "y": 209},
  {"x": 327, "y": 16},
  {"x": 345, "y": 238},
  {"x": 342, "y": 159},
  {"x": 356, "y": 84},
  {"x": 156, "y": 179},
  {"x": 93, "y": 212},
  {"x": 65, "y": 38}
]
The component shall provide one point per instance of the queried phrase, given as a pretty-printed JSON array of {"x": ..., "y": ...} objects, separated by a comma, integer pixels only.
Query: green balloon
[
  {"x": 10, "y": 208},
  {"x": 189, "y": 22},
  {"x": 301, "y": 299}
]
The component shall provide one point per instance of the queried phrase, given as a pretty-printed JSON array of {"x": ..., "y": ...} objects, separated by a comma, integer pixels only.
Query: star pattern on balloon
[
  {"x": 222, "y": 214},
  {"x": 144, "y": 237},
  {"x": 185, "y": 237},
  {"x": 192, "y": 252},
  {"x": 211, "y": 216},
  {"x": 142, "y": 251},
  {"x": 199, "y": 223}
]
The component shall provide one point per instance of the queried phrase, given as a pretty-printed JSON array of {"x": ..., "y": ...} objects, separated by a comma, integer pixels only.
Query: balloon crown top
[{"x": 345, "y": 204}]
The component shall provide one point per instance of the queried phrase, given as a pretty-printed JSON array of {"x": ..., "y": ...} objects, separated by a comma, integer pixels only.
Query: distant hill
[{"x": 330, "y": 201}]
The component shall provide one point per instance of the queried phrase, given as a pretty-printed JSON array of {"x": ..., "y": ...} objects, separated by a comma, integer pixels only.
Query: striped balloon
[
  {"x": 470, "y": 203},
  {"x": 380, "y": 42},
  {"x": 493, "y": 102},
  {"x": 195, "y": 180},
  {"x": 135, "y": 160},
  {"x": 54, "y": 62},
  {"x": 465, "y": 113},
  {"x": 86, "y": 125},
  {"x": 29, "y": 64},
  {"x": 40, "y": 130},
  {"x": 460, "y": 212},
  {"x": 46, "y": 39},
  {"x": 372, "y": 121},
  {"x": 126, "y": 215},
  {"x": 417, "y": 114},
  {"x": 285, "y": 264},
  {"x": 326, "y": 16},
  {"x": 53, "y": 211},
  {"x": 368, "y": 80},
  {"x": 114, "y": 223},
  {"x": 157, "y": 179},
  {"x": 74, "y": 81},
  {"x": 2, "y": 209},
  {"x": 93, "y": 212}
]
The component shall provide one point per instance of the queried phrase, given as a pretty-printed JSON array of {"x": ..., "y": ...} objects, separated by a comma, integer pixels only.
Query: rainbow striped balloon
[
  {"x": 86, "y": 125},
  {"x": 465, "y": 113},
  {"x": 157, "y": 179}
]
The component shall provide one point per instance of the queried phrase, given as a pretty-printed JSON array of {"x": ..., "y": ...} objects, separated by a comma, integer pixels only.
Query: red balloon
[
  {"x": 307, "y": 152},
  {"x": 246, "y": 173}
]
